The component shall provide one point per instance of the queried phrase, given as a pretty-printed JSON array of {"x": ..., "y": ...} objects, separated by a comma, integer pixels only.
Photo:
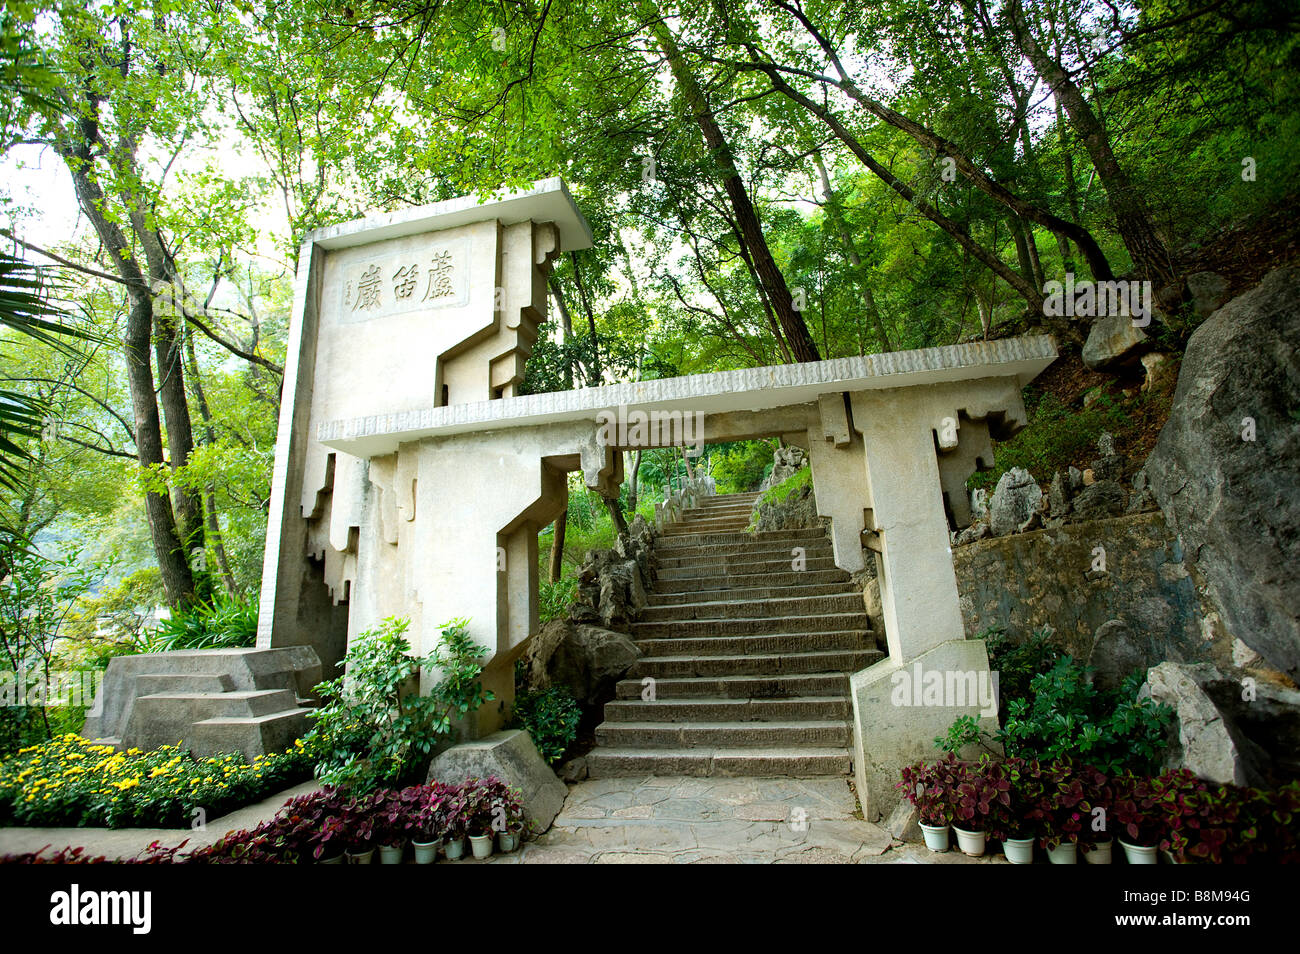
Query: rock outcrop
[
  {"x": 1227, "y": 465},
  {"x": 586, "y": 660},
  {"x": 612, "y": 584},
  {"x": 1017, "y": 497},
  {"x": 786, "y": 462}
]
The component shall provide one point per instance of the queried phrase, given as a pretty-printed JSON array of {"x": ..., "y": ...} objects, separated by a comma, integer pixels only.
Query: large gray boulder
[
  {"x": 586, "y": 660},
  {"x": 1226, "y": 467},
  {"x": 1017, "y": 497},
  {"x": 1112, "y": 341},
  {"x": 512, "y": 757},
  {"x": 1231, "y": 726}
]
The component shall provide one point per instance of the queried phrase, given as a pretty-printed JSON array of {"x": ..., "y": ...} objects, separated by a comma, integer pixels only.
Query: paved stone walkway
[{"x": 718, "y": 821}]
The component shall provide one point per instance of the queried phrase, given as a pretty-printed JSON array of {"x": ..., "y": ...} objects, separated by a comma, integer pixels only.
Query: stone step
[
  {"x": 726, "y": 583},
  {"x": 270, "y": 732},
  {"x": 741, "y": 539},
  {"x": 203, "y": 705},
  {"x": 752, "y": 626},
  {"x": 718, "y": 709},
  {"x": 779, "y": 606},
  {"x": 766, "y": 687},
  {"x": 677, "y": 596},
  {"x": 731, "y": 570},
  {"x": 730, "y": 555},
  {"x": 701, "y": 524},
  {"x": 638, "y": 735},
  {"x": 789, "y": 761},
  {"x": 842, "y": 661},
  {"x": 768, "y": 645}
]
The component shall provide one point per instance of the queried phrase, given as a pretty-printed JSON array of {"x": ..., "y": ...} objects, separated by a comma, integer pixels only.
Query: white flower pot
[
  {"x": 361, "y": 857},
  {"x": 391, "y": 854},
  {"x": 333, "y": 860},
  {"x": 481, "y": 845},
  {"x": 936, "y": 837},
  {"x": 456, "y": 849},
  {"x": 970, "y": 842},
  {"x": 1066, "y": 853},
  {"x": 1098, "y": 854},
  {"x": 1138, "y": 854},
  {"x": 508, "y": 841},
  {"x": 426, "y": 852},
  {"x": 1019, "y": 851}
]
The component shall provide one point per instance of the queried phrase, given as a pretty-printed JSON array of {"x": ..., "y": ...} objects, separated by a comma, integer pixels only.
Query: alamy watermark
[
  {"x": 946, "y": 688},
  {"x": 1088, "y": 299},
  {"x": 624, "y": 428},
  {"x": 28, "y": 687}
]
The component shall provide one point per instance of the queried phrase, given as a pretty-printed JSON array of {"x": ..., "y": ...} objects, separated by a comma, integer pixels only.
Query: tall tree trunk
[
  {"x": 615, "y": 514},
  {"x": 594, "y": 371},
  {"x": 1132, "y": 219},
  {"x": 772, "y": 282},
  {"x": 173, "y": 562}
]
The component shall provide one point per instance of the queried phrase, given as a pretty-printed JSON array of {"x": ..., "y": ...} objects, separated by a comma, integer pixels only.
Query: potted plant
[
  {"x": 423, "y": 806},
  {"x": 391, "y": 824},
  {"x": 919, "y": 785},
  {"x": 325, "y": 813},
  {"x": 479, "y": 816},
  {"x": 508, "y": 817},
  {"x": 453, "y": 819},
  {"x": 1138, "y": 814},
  {"x": 1062, "y": 811},
  {"x": 1095, "y": 841},
  {"x": 978, "y": 790},
  {"x": 1017, "y": 827}
]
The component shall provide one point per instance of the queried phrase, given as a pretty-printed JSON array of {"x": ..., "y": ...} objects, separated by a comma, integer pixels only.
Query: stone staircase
[{"x": 750, "y": 657}]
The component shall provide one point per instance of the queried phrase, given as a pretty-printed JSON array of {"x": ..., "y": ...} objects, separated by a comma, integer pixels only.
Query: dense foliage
[{"x": 550, "y": 717}]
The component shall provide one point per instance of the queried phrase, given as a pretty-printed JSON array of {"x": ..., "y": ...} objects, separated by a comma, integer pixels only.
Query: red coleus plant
[
  {"x": 1136, "y": 810},
  {"x": 1063, "y": 811},
  {"x": 982, "y": 796},
  {"x": 927, "y": 787},
  {"x": 1200, "y": 821}
]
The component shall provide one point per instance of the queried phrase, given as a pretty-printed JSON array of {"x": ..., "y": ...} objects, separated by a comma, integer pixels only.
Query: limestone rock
[
  {"x": 1118, "y": 652},
  {"x": 1204, "y": 744},
  {"x": 798, "y": 511},
  {"x": 903, "y": 823},
  {"x": 1208, "y": 291},
  {"x": 1112, "y": 341},
  {"x": 1058, "y": 495},
  {"x": 512, "y": 757},
  {"x": 1076, "y": 479},
  {"x": 786, "y": 462},
  {"x": 979, "y": 504},
  {"x": 574, "y": 770},
  {"x": 1233, "y": 501},
  {"x": 1105, "y": 498},
  {"x": 976, "y": 531},
  {"x": 586, "y": 660},
  {"x": 1015, "y": 498}
]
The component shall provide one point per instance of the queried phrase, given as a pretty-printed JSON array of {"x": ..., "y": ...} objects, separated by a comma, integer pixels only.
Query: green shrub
[
  {"x": 375, "y": 728},
  {"x": 1055, "y": 439},
  {"x": 556, "y": 597},
  {"x": 741, "y": 467},
  {"x": 228, "y": 622},
  {"x": 1018, "y": 663},
  {"x": 1066, "y": 715},
  {"x": 550, "y": 717}
]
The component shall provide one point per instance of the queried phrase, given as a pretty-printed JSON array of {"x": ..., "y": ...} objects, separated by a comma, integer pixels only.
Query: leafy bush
[
  {"x": 1018, "y": 663},
  {"x": 742, "y": 466},
  {"x": 1066, "y": 715},
  {"x": 228, "y": 622},
  {"x": 556, "y": 597},
  {"x": 374, "y": 727},
  {"x": 550, "y": 717},
  {"x": 70, "y": 782},
  {"x": 1055, "y": 439}
]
